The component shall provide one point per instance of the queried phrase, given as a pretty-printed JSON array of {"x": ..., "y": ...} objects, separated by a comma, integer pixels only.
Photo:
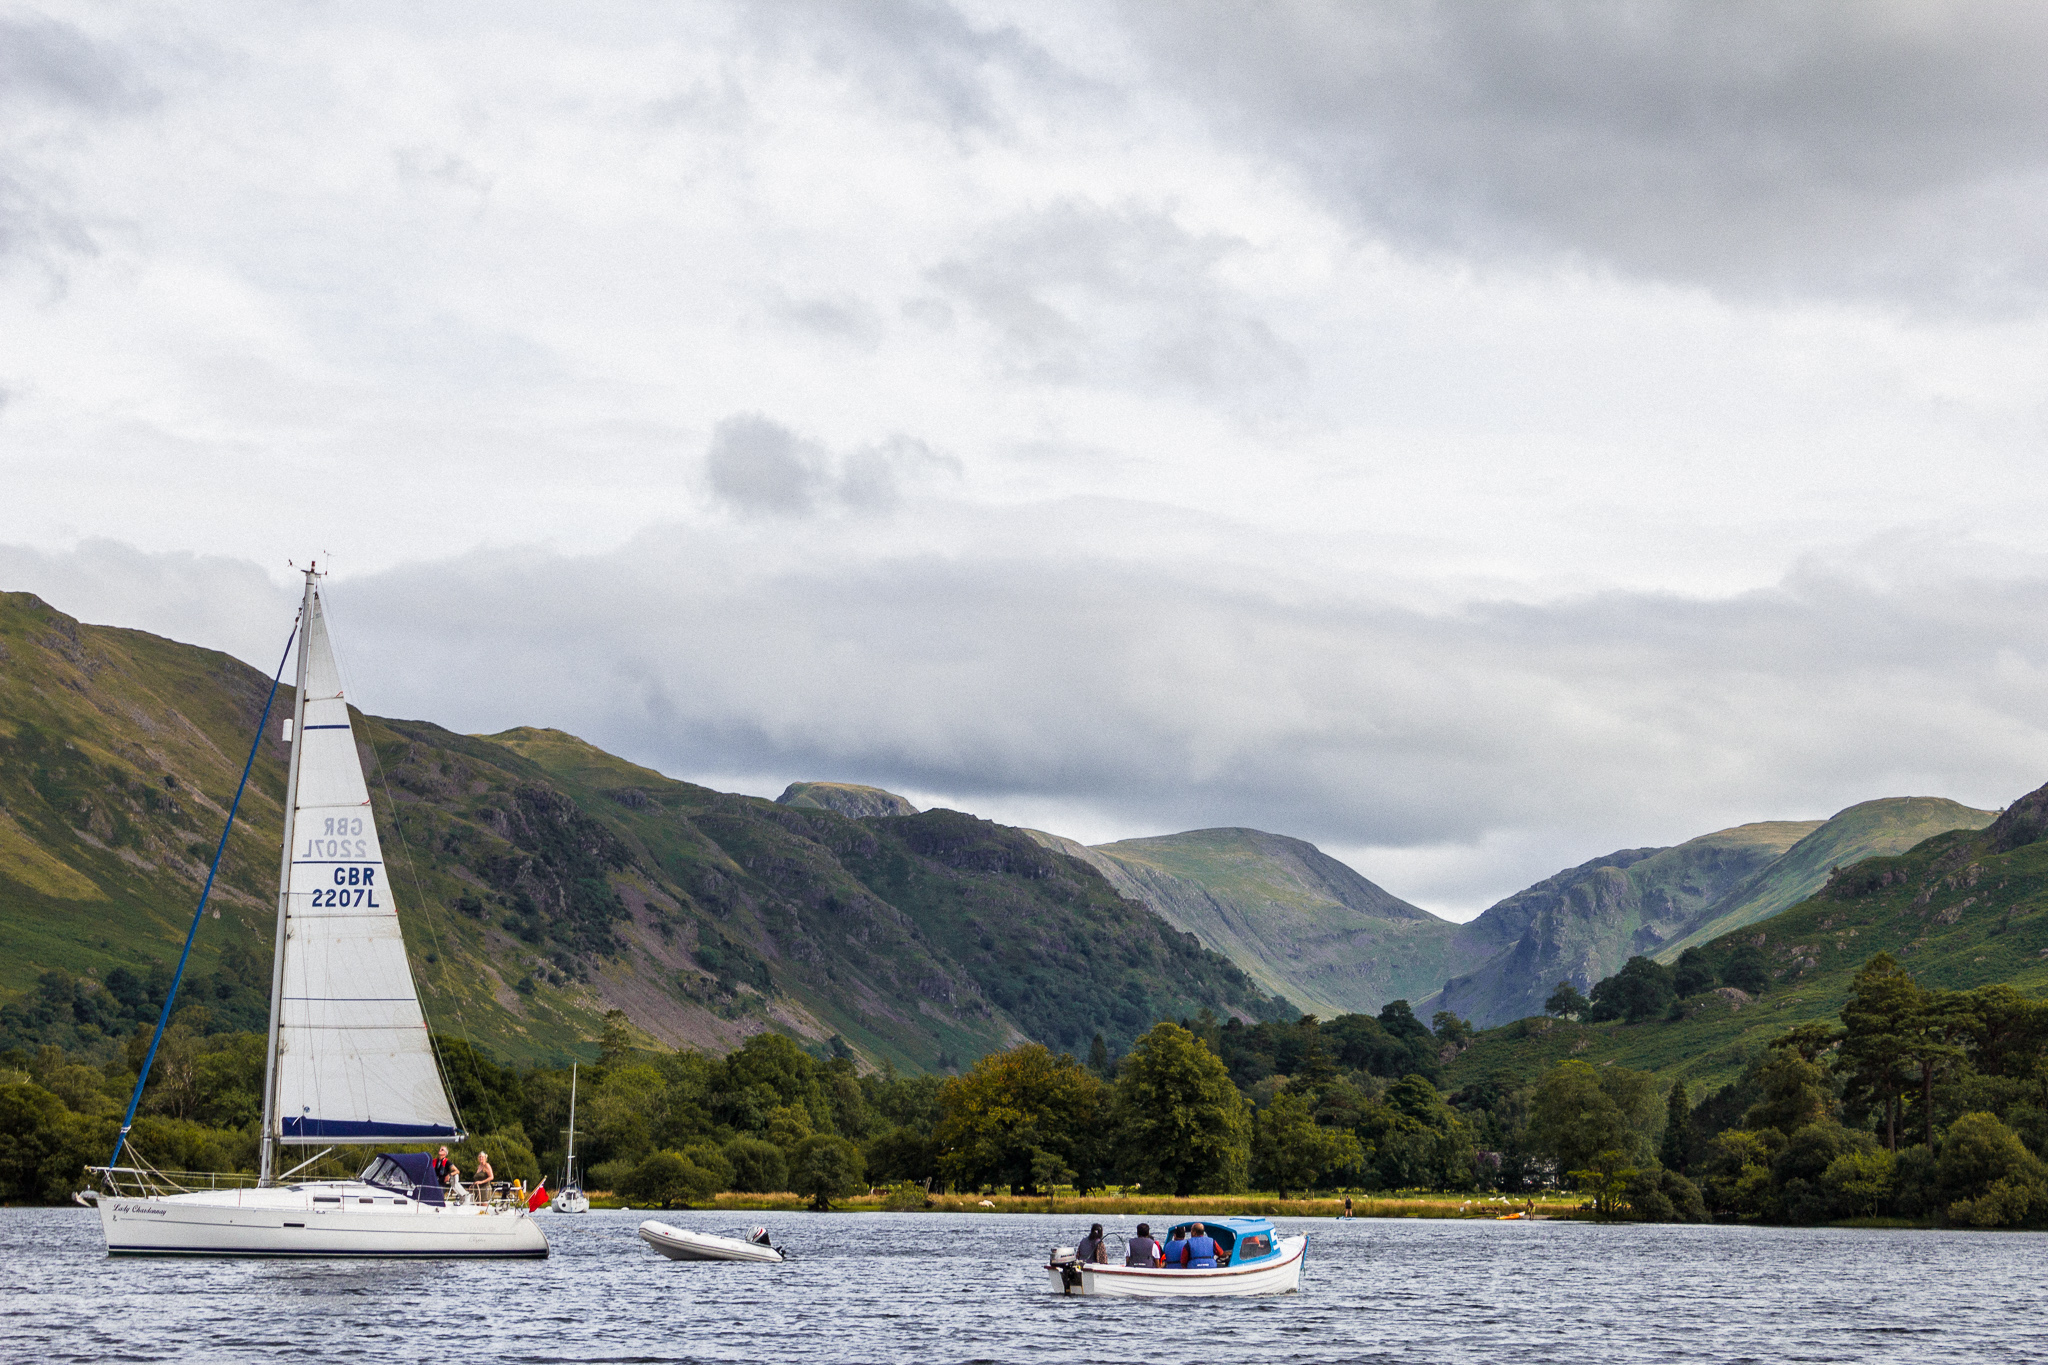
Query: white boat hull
[
  {"x": 313, "y": 1221},
  {"x": 680, "y": 1244},
  {"x": 1280, "y": 1275}
]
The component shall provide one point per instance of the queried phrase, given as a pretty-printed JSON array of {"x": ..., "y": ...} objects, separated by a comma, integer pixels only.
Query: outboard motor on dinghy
[
  {"x": 759, "y": 1236},
  {"x": 1064, "y": 1260}
]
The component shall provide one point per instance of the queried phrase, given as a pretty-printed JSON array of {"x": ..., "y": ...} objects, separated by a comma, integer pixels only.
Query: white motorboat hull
[
  {"x": 1279, "y": 1275},
  {"x": 680, "y": 1244},
  {"x": 319, "y": 1220}
]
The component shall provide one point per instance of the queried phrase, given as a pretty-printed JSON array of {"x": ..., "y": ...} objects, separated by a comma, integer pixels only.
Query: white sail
[{"x": 354, "y": 1062}]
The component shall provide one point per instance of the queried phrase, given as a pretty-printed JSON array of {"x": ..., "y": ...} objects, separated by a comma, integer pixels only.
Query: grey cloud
[
  {"x": 925, "y": 59},
  {"x": 1077, "y": 291},
  {"x": 758, "y": 466},
  {"x": 1159, "y": 699},
  {"x": 1166, "y": 701},
  {"x": 838, "y": 317},
  {"x": 53, "y": 64},
  {"x": 1873, "y": 150},
  {"x": 52, "y": 76}
]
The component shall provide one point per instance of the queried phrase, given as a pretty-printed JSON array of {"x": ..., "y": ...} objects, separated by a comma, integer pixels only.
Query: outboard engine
[
  {"x": 759, "y": 1236},
  {"x": 1064, "y": 1261}
]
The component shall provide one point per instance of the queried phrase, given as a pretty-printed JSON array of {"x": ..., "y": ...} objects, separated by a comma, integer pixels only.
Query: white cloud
[{"x": 1476, "y": 443}]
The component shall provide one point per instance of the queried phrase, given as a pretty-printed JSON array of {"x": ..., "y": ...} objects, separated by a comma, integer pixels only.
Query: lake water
[{"x": 936, "y": 1289}]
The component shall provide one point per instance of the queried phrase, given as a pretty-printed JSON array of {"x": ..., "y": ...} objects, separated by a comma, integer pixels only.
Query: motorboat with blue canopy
[{"x": 1252, "y": 1257}]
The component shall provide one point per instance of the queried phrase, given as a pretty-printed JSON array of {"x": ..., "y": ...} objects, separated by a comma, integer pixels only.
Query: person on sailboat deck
[
  {"x": 484, "y": 1174},
  {"x": 444, "y": 1169}
]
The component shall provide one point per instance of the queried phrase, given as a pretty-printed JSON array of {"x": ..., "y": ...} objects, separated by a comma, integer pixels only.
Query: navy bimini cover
[{"x": 410, "y": 1172}]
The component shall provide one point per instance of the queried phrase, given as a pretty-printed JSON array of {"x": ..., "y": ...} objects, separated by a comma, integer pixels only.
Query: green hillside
[
  {"x": 1963, "y": 909},
  {"x": 1891, "y": 825},
  {"x": 542, "y": 881},
  {"x": 1299, "y": 922},
  {"x": 846, "y": 798},
  {"x": 1583, "y": 923}
]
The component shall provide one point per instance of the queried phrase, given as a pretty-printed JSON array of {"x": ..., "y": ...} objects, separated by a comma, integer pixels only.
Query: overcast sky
[{"x": 1474, "y": 438}]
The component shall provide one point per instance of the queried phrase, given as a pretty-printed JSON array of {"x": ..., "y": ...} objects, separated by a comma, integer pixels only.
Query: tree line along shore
[{"x": 1921, "y": 1105}]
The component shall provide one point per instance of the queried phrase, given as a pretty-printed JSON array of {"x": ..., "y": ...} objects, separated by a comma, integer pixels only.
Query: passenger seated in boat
[
  {"x": 1199, "y": 1251},
  {"x": 1091, "y": 1248},
  {"x": 1172, "y": 1254},
  {"x": 1142, "y": 1250}
]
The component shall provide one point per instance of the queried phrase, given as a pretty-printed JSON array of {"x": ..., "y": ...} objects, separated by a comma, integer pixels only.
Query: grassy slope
[
  {"x": 119, "y": 753},
  {"x": 1891, "y": 825},
  {"x": 101, "y": 859},
  {"x": 1955, "y": 912},
  {"x": 1299, "y": 922},
  {"x": 1582, "y": 924}
]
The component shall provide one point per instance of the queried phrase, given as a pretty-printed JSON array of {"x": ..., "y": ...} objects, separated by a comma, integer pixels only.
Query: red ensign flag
[{"x": 539, "y": 1195}]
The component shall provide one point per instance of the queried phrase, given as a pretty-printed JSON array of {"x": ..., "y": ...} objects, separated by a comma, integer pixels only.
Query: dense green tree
[
  {"x": 1675, "y": 1150},
  {"x": 758, "y": 1167},
  {"x": 1693, "y": 973},
  {"x": 1880, "y": 1018},
  {"x": 668, "y": 1180},
  {"x": 826, "y": 1167},
  {"x": 1565, "y": 1002},
  {"x": 1291, "y": 1151},
  {"x": 1796, "y": 1092},
  {"x": 1640, "y": 991},
  {"x": 1988, "y": 1175},
  {"x": 1011, "y": 1104},
  {"x": 1098, "y": 1056},
  {"x": 1451, "y": 1029},
  {"x": 1747, "y": 969},
  {"x": 1579, "y": 1112},
  {"x": 1181, "y": 1124}
]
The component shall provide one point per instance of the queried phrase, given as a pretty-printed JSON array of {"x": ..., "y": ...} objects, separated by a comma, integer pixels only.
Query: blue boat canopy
[{"x": 1245, "y": 1239}]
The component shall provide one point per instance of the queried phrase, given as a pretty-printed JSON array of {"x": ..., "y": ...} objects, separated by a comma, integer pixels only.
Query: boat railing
[{"x": 147, "y": 1182}]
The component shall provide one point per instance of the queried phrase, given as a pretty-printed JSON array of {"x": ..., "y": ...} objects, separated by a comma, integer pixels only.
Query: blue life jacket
[
  {"x": 1201, "y": 1253},
  {"x": 1174, "y": 1246}
]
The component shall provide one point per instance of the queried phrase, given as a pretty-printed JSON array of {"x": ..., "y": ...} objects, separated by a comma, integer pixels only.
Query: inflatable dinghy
[{"x": 680, "y": 1244}]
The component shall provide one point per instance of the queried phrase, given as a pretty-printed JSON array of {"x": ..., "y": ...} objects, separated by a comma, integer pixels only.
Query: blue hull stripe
[{"x": 361, "y": 1255}]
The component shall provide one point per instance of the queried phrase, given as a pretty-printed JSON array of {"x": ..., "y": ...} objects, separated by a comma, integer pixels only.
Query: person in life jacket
[
  {"x": 1173, "y": 1253},
  {"x": 1092, "y": 1247},
  {"x": 1142, "y": 1250},
  {"x": 1199, "y": 1251}
]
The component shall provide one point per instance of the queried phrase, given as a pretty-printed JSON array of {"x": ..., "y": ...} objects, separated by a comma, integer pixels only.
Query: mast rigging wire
[{"x": 164, "y": 1018}]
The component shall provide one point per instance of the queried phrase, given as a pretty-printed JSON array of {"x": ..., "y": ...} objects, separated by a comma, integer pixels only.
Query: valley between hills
[{"x": 547, "y": 883}]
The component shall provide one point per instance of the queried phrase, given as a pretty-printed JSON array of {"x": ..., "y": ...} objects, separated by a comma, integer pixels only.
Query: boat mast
[
  {"x": 271, "y": 1118},
  {"x": 569, "y": 1176}
]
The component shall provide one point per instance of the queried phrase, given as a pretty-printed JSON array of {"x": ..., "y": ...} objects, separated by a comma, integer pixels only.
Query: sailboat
[
  {"x": 348, "y": 1060},
  {"x": 571, "y": 1198}
]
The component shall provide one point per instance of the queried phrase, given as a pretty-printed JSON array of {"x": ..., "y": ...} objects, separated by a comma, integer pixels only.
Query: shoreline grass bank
[{"x": 1158, "y": 1208}]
